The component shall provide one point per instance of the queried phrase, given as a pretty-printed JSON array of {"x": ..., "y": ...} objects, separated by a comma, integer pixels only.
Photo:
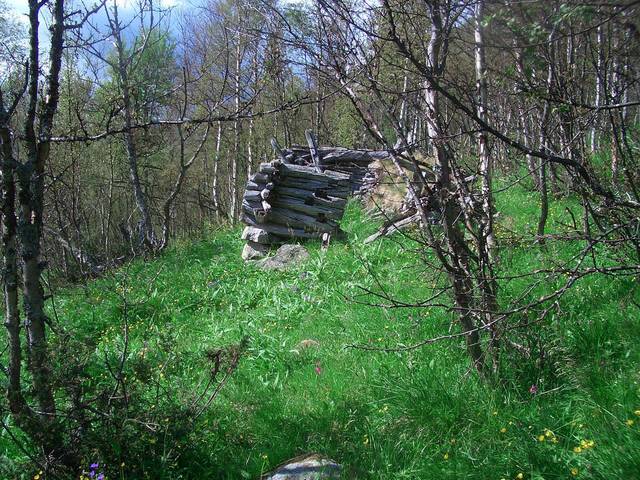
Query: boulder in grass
[
  {"x": 254, "y": 251},
  {"x": 306, "y": 467},
  {"x": 286, "y": 256}
]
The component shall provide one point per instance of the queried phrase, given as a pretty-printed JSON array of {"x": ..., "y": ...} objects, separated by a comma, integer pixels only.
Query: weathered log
[
  {"x": 279, "y": 230},
  {"x": 261, "y": 216},
  {"x": 329, "y": 201},
  {"x": 297, "y": 183},
  {"x": 307, "y": 172},
  {"x": 316, "y": 211},
  {"x": 260, "y": 178},
  {"x": 252, "y": 203},
  {"x": 312, "y": 197},
  {"x": 394, "y": 226},
  {"x": 268, "y": 169},
  {"x": 252, "y": 195},
  {"x": 313, "y": 150},
  {"x": 256, "y": 186},
  {"x": 278, "y": 149},
  {"x": 254, "y": 209},
  {"x": 293, "y": 219}
]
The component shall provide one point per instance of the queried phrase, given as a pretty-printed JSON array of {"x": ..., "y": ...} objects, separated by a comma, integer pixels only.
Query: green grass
[{"x": 414, "y": 415}]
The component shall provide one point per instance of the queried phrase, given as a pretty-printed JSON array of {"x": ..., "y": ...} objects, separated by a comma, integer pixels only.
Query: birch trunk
[
  {"x": 600, "y": 74},
  {"x": 233, "y": 181},
  {"x": 460, "y": 273},
  {"x": 215, "y": 195},
  {"x": 147, "y": 233},
  {"x": 486, "y": 223}
]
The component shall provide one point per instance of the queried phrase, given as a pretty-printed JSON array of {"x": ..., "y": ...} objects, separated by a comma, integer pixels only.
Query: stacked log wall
[{"x": 296, "y": 198}]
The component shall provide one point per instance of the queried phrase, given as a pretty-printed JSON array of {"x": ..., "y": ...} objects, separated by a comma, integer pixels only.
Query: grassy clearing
[{"x": 414, "y": 415}]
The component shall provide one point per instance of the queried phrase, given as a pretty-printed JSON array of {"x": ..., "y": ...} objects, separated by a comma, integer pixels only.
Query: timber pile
[
  {"x": 283, "y": 201},
  {"x": 303, "y": 194},
  {"x": 355, "y": 163}
]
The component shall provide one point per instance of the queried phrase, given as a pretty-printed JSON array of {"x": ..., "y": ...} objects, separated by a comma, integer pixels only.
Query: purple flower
[
  {"x": 92, "y": 473},
  {"x": 534, "y": 389},
  {"x": 94, "y": 466},
  {"x": 100, "y": 477}
]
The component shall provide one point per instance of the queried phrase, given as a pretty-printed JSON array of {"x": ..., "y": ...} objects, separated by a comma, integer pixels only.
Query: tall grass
[{"x": 419, "y": 414}]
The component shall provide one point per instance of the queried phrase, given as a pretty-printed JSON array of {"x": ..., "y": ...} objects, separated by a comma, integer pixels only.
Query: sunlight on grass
[{"x": 384, "y": 416}]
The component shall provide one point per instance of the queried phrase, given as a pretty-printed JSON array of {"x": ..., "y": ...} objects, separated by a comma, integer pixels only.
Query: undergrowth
[{"x": 420, "y": 414}]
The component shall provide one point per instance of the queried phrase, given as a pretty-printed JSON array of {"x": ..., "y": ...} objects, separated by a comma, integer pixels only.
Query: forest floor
[{"x": 420, "y": 414}]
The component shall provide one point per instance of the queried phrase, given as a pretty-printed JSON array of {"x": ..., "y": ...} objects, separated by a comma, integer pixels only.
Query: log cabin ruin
[{"x": 303, "y": 194}]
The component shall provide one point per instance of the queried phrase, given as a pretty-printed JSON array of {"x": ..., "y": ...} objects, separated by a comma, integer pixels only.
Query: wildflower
[
  {"x": 533, "y": 389},
  {"x": 503, "y": 430},
  {"x": 591, "y": 444},
  {"x": 100, "y": 477},
  {"x": 520, "y": 476},
  {"x": 365, "y": 440},
  {"x": 629, "y": 422},
  {"x": 554, "y": 440},
  {"x": 541, "y": 438},
  {"x": 94, "y": 466},
  {"x": 452, "y": 441},
  {"x": 548, "y": 433},
  {"x": 495, "y": 413},
  {"x": 637, "y": 413},
  {"x": 577, "y": 449},
  {"x": 446, "y": 456},
  {"x": 574, "y": 472},
  {"x": 264, "y": 456},
  {"x": 318, "y": 368}
]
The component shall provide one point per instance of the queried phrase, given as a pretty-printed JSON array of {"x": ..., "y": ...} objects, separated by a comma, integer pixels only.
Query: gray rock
[
  {"x": 257, "y": 235},
  {"x": 254, "y": 251},
  {"x": 286, "y": 256},
  {"x": 306, "y": 467}
]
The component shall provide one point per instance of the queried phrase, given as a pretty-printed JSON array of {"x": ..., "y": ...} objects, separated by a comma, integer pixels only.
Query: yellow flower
[
  {"x": 503, "y": 430},
  {"x": 541, "y": 438},
  {"x": 574, "y": 472},
  {"x": 495, "y": 413},
  {"x": 36, "y": 477},
  {"x": 520, "y": 476},
  {"x": 365, "y": 440},
  {"x": 452, "y": 441},
  {"x": 548, "y": 433},
  {"x": 630, "y": 422},
  {"x": 637, "y": 413},
  {"x": 446, "y": 456},
  {"x": 577, "y": 449},
  {"x": 591, "y": 444},
  {"x": 554, "y": 440}
]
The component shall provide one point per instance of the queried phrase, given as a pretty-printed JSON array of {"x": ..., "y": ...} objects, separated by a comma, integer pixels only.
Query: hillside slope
[{"x": 419, "y": 414}]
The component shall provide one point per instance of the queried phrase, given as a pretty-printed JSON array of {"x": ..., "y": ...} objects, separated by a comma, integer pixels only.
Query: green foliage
[{"x": 418, "y": 414}]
